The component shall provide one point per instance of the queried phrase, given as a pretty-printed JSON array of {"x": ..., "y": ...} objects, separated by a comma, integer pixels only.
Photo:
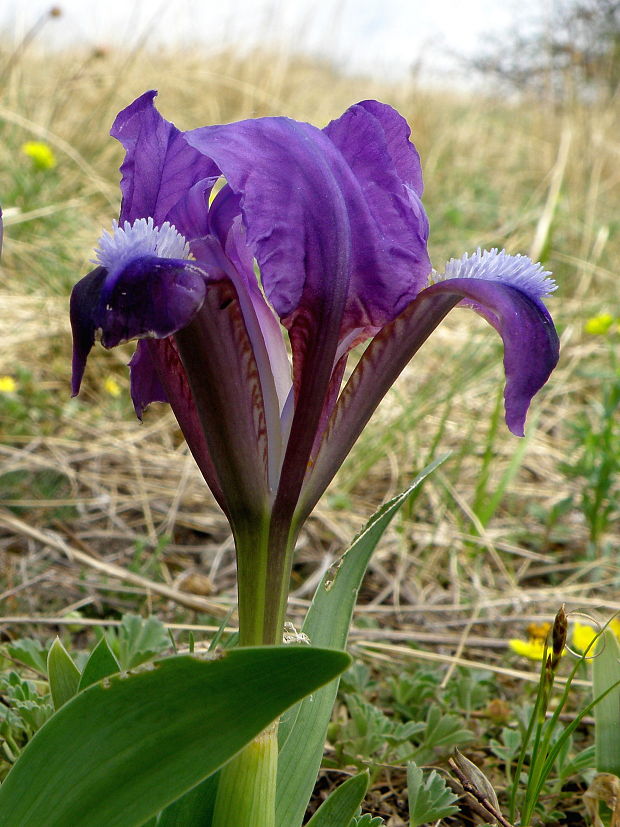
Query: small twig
[
  {"x": 477, "y": 795},
  {"x": 51, "y": 539},
  {"x": 389, "y": 652}
]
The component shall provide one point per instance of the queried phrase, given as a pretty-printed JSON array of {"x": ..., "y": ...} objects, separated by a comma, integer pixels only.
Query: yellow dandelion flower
[
  {"x": 614, "y": 625},
  {"x": 538, "y": 631},
  {"x": 599, "y": 325},
  {"x": 41, "y": 154},
  {"x": 583, "y": 635},
  {"x": 533, "y": 649},
  {"x": 7, "y": 384},
  {"x": 112, "y": 387}
]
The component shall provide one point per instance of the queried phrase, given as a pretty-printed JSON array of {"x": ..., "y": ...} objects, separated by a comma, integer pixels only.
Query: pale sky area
[{"x": 378, "y": 36}]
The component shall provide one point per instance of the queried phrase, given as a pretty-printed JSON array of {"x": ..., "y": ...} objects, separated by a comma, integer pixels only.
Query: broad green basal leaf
[
  {"x": 606, "y": 674},
  {"x": 195, "y": 808},
  {"x": 124, "y": 749}
]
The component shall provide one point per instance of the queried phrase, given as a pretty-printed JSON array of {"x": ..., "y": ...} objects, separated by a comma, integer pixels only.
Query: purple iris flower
[{"x": 231, "y": 235}]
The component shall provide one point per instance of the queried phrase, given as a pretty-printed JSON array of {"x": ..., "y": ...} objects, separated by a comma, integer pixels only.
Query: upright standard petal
[
  {"x": 334, "y": 221},
  {"x": 390, "y": 260},
  {"x": 291, "y": 184},
  {"x": 397, "y": 134},
  {"x": 160, "y": 167}
]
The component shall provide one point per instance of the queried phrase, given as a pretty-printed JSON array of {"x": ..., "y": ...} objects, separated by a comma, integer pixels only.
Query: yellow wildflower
[
  {"x": 41, "y": 154},
  {"x": 7, "y": 384},
  {"x": 539, "y": 631},
  {"x": 584, "y": 634},
  {"x": 599, "y": 325},
  {"x": 112, "y": 387},
  {"x": 534, "y": 648}
]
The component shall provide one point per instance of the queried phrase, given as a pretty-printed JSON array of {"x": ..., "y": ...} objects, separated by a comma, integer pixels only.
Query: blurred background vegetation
[{"x": 100, "y": 516}]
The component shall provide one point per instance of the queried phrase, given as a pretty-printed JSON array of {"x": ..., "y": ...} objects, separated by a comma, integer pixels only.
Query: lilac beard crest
[
  {"x": 493, "y": 265},
  {"x": 137, "y": 239}
]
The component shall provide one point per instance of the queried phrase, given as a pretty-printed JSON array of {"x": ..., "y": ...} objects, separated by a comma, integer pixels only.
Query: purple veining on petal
[
  {"x": 531, "y": 349},
  {"x": 160, "y": 356},
  {"x": 263, "y": 330},
  {"x": 221, "y": 369}
]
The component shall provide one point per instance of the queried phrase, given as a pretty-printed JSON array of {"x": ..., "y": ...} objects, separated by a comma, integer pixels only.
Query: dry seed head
[{"x": 558, "y": 636}]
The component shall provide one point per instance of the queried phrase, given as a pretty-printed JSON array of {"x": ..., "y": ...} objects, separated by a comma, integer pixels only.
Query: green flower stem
[
  {"x": 246, "y": 793},
  {"x": 264, "y": 561}
]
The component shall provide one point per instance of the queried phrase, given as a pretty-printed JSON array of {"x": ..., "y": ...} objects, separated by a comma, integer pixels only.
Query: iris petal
[
  {"x": 156, "y": 371},
  {"x": 159, "y": 167},
  {"x": 531, "y": 344},
  {"x": 85, "y": 301},
  {"x": 226, "y": 393},
  {"x": 334, "y": 221},
  {"x": 145, "y": 384},
  {"x": 531, "y": 350},
  {"x": 397, "y": 133},
  {"x": 390, "y": 261},
  {"x": 292, "y": 184},
  {"x": 149, "y": 297},
  {"x": 287, "y": 175}
]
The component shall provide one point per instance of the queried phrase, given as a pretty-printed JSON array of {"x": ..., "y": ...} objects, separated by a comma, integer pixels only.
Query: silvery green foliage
[
  {"x": 429, "y": 796},
  {"x": 366, "y": 821}
]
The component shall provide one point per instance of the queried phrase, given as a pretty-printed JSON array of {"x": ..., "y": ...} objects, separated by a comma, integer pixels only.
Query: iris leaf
[
  {"x": 100, "y": 664},
  {"x": 125, "y": 748},
  {"x": 342, "y": 804},
  {"x": 302, "y": 731}
]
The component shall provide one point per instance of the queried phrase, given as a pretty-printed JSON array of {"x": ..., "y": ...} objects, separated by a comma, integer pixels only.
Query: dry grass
[{"x": 489, "y": 169}]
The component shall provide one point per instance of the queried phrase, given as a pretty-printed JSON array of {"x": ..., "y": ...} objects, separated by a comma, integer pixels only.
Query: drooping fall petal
[
  {"x": 507, "y": 291},
  {"x": 141, "y": 288}
]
